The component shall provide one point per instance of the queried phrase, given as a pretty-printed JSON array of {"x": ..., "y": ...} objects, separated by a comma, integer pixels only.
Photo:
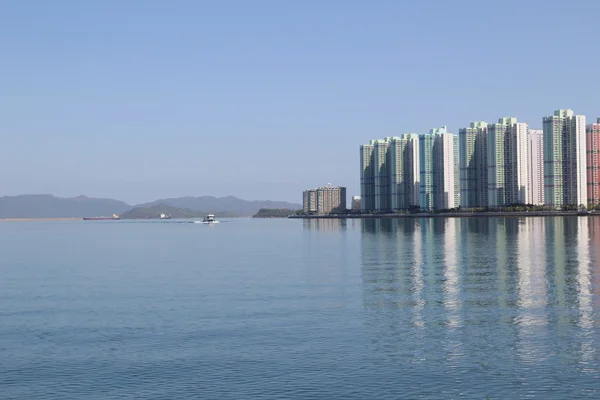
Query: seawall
[{"x": 454, "y": 215}]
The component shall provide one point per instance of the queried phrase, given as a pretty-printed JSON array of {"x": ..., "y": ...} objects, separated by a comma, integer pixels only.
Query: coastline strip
[
  {"x": 38, "y": 219},
  {"x": 453, "y": 215}
]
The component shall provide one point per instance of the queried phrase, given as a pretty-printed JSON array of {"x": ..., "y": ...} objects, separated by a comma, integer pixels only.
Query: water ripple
[{"x": 374, "y": 309}]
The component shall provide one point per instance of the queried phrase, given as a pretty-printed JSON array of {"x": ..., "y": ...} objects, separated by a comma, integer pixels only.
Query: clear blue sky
[{"x": 139, "y": 100}]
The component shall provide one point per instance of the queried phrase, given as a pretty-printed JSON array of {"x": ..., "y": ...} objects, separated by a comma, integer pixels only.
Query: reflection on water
[
  {"x": 325, "y": 224},
  {"x": 516, "y": 296}
]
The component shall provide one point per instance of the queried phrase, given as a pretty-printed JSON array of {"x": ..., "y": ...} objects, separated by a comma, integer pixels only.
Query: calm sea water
[{"x": 291, "y": 309}]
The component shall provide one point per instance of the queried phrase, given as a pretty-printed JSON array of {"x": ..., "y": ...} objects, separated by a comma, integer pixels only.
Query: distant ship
[
  {"x": 165, "y": 216},
  {"x": 115, "y": 216},
  {"x": 210, "y": 219}
]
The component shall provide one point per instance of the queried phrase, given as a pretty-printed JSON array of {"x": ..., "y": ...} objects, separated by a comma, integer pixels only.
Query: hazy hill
[
  {"x": 153, "y": 212},
  {"x": 242, "y": 208},
  {"x": 48, "y": 206}
]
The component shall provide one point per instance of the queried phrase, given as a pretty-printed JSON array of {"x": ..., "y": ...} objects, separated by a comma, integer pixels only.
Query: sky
[{"x": 144, "y": 99}]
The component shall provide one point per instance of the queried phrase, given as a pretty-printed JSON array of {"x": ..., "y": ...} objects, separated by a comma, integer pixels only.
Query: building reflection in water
[
  {"x": 594, "y": 234},
  {"x": 325, "y": 224},
  {"x": 393, "y": 282},
  {"x": 326, "y": 250},
  {"x": 427, "y": 282},
  {"x": 451, "y": 277},
  {"x": 532, "y": 296},
  {"x": 584, "y": 283},
  {"x": 452, "y": 342}
]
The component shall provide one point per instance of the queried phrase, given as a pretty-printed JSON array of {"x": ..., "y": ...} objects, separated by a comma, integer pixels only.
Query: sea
[{"x": 433, "y": 308}]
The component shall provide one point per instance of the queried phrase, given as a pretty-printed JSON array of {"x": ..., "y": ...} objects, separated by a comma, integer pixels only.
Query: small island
[
  {"x": 154, "y": 212},
  {"x": 275, "y": 213}
]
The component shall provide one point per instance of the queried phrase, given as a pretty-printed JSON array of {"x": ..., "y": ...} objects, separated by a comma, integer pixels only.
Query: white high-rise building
[
  {"x": 535, "y": 168},
  {"x": 381, "y": 174},
  {"x": 473, "y": 165},
  {"x": 404, "y": 171},
  {"x": 565, "y": 179},
  {"x": 507, "y": 163},
  {"x": 440, "y": 178},
  {"x": 390, "y": 173}
]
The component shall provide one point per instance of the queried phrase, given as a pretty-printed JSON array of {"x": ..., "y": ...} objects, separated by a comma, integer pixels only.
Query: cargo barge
[{"x": 115, "y": 216}]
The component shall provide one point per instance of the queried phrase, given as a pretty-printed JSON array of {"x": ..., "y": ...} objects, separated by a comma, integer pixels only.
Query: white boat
[
  {"x": 165, "y": 216},
  {"x": 210, "y": 219}
]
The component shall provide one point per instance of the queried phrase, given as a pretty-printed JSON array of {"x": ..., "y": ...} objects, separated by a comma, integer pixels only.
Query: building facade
[
  {"x": 367, "y": 177},
  {"x": 404, "y": 176},
  {"x": 390, "y": 179},
  {"x": 593, "y": 162},
  {"x": 535, "y": 166},
  {"x": 565, "y": 171},
  {"x": 473, "y": 165},
  {"x": 507, "y": 163},
  {"x": 426, "y": 169},
  {"x": 381, "y": 174},
  {"x": 439, "y": 169},
  {"x": 324, "y": 200},
  {"x": 356, "y": 203},
  {"x": 309, "y": 201}
]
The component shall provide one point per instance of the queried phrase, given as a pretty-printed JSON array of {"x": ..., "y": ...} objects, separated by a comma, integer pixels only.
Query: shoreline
[
  {"x": 39, "y": 219},
  {"x": 453, "y": 215}
]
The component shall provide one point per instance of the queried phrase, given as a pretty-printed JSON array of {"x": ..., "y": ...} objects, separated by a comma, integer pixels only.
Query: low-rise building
[
  {"x": 356, "y": 203},
  {"x": 324, "y": 200}
]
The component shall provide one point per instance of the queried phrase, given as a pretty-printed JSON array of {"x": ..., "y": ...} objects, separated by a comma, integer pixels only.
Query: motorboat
[{"x": 210, "y": 219}]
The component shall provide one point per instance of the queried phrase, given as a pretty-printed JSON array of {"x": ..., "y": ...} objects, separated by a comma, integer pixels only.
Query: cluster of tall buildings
[
  {"x": 486, "y": 165},
  {"x": 324, "y": 200},
  {"x": 410, "y": 171}
]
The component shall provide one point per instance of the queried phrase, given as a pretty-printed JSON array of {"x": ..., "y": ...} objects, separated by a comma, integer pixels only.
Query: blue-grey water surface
[{"x": 289, "y": 309}]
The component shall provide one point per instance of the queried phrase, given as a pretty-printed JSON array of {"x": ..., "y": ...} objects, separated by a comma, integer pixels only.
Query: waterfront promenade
[{"x": 453, "y": 215}]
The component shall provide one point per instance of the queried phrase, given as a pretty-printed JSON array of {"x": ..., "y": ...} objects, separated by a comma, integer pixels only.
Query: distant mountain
[
  {"x": 48, "y": 206},
  {"x": 242, "y": 208},
  {"x": 154, "y": 212}
]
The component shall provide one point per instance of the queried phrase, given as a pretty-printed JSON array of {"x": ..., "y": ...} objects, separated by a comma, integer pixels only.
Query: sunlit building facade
[
  {"x": 404, "y": 172},
  {"x": 324, "y": 200},
  {"x": 593, "y": 162},
  {"x": 535, "y": 166},
  {"x": 440, "y": 179},
  {"x": 507, "y": 163},
  {"x": 565, "y": 172}
]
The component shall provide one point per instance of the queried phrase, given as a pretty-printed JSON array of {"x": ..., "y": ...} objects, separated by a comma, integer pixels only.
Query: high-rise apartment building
[
  {"x": 593, "y": 162},
  {"x": 439, "y": 169},
  {"x": 404, "y": 173},
  {"x": 309, "y": 201},
  {"x": 507, "y": 163},
  {"x": 381, "y": 174},
  {"x": 426, "y": 167},
  {"x": 390, "y": 173},
  {"x": 535, "y": 166},
  {"x": 565, "y": 172},
  {"x": 367, "y": 177},
  {"x": 324, "y": 200},
  {"x": 473, "y": 165}
]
